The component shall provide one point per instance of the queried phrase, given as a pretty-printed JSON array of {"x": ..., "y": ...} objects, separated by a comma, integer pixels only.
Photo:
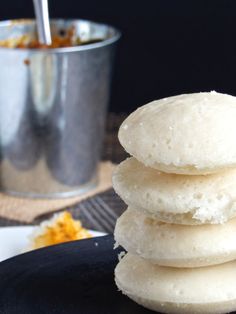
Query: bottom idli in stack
[{"x": 178, "y": 290}]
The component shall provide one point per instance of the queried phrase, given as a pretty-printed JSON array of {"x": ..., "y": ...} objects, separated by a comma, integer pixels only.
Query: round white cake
[
  {"x": 176, "y": 245},
  {"x": 185, "y": 134},
  {"x": 208, "y": 290},
  {"x": 177, "y": 198}
]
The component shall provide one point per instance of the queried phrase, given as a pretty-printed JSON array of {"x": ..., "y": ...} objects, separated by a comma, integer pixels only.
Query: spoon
[{"x": 42, "y": 21}]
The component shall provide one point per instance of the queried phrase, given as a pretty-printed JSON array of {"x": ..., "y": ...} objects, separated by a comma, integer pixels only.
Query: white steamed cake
[
  {"x": 205, "y": 290},
  {"x": 185, "y": 134},
  {"x": 177, "y": 198},
  {"x": 176, "y": 245}
]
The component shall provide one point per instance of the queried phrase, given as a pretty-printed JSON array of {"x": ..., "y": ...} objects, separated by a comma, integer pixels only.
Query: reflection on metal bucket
[{"x": 52, "y": 111}]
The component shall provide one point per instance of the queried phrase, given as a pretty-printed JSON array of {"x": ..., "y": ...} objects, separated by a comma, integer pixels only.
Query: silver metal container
[{"x": 52, "y": 109}]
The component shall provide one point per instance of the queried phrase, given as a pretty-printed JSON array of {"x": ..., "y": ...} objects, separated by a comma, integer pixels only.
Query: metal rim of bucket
[{"x": 114, "y": 38}]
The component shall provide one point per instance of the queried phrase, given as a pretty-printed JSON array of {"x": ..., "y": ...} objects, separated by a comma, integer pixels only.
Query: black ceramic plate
[{"x": 76, "y": 277}]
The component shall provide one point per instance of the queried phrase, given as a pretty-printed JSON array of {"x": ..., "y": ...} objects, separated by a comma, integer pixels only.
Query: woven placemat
[
  {"x": 99, "y": 212},
  {"x": 26, "y": 210}
]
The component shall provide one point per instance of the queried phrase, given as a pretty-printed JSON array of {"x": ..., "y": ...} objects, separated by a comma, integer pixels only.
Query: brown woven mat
[
  {"x": 97, "y": 213},
  {"x": 26, "y": 210}
]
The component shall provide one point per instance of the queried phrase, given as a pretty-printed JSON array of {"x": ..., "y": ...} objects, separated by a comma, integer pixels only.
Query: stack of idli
[{"x": 180, "y": 187}]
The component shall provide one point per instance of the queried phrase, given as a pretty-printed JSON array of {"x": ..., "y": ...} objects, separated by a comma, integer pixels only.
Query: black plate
[{"x": 76, "y": 277}]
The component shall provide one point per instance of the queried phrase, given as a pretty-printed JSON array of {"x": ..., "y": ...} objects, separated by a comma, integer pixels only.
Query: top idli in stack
[
  {"x": 193, "y": 135},
  {"x": 180, "y": 186},
  {"x": 189, "y": 134}
]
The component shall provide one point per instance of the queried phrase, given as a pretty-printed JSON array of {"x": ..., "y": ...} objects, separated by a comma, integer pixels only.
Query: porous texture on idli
[
  {"x": 176, "y": 245},
  {"x": 192, "y": 199},
  {"x": 208, "y": 290},
  {"x": 185, "y": 134}
]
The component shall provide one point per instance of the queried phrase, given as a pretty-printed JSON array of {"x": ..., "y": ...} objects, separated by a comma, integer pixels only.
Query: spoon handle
[{"x": 42, "y": 20}]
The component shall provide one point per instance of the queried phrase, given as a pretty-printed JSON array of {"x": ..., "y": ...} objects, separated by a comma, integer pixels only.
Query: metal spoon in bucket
[{"x": 42, "y": 20}]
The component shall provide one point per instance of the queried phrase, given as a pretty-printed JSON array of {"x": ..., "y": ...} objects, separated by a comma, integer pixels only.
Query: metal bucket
[{"x": 52, "y": 110}]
